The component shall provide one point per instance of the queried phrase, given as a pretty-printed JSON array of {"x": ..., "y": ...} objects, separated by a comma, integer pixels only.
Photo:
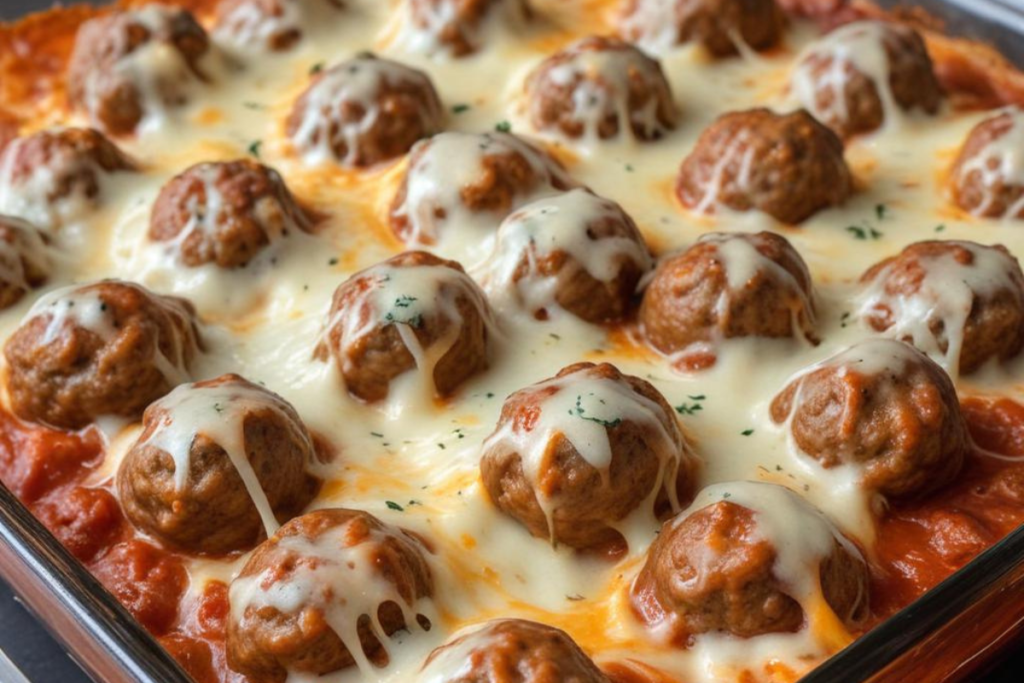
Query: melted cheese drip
[
  {"x": 946, "y": 295},
  {"x": 218, "y": 413},
  {"x": 27, "y": 248},
  {"x": 548, "y": 226},
  {"x": 711, "y": 183},
  {"x": 1001, "y": 162},
  {"x": 653, "y": 23},
  {"x": 582, "y": 407},
  {"x": 343, "y": 582},
  {"x": 859, "y": 46}
]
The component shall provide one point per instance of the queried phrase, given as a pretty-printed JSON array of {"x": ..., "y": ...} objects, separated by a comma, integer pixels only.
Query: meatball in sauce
[
  {"x": 270, "y": 25},
  {"x": 987, "y": 179},
  {"x": 25, "y": 260},
  {"x": 458, "y": 28},
  {"x": 723, "y": 27}
]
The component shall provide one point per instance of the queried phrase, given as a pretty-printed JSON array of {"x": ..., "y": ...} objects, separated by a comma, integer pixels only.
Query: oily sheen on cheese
[{"x": 412, "y": 460}]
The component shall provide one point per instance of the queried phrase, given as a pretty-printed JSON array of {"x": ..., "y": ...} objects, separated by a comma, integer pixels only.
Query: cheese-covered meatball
[
  {"x": 961, "y": 303},
  {"x": 105, "y": 349},
  {"x": 988, "y": 177},
  {"x": 573, "y": 251},
  {"x": 727, "y": 285},
  {"x": 858, "y": 75},
  {"x": 510, "y": 651},
  {"x": 270, "y": 25},
  {"x": 363, "y": 112},
  {"x": 57, "y": 176},
  {"x": 133, "y": 65},
  {"x": 414, "y": 311},
  {"x": 786, "y": 165},
  {"x": 325, "y": 592},
  {"x": 597, "y": 87},
  {"x": 573, "y": 456},
  {"x": 460, "y": 178},
  {"x": 224, "y": 213},
  {"x": 747, "y": 559},
  {"x": 24, "y": 260},
  {"x": 721, "y": 26},
  {"x": 900, "y": 423},
  {"x": 218, "y": 462},
  {"x": 458, "y": 27}
]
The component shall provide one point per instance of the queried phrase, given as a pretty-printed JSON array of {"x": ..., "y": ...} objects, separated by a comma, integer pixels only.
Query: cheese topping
[{"x": 1000, "y": 164}]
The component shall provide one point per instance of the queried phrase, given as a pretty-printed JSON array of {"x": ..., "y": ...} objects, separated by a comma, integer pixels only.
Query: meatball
[
  {"x": 57, "y": 176},
  {"x": 24, "y": 260},
  {"x": 104, "y": 349},
  {"x": 721, "y": 26},
  {"x": 128, "y": 66},
  {"x": 883, "y": 407},
  {"x": 962, "y": 303},
  {"x": 855, "y": 77},
  {"x": 988, "y": 178},
  {"x": 217, "y": 462},
  {"x": 587, "y": 88},
  {"x": 511, "y": 651},
  {"x": 224, "y": 213},
  {"x": 574, "y": 251},
  {"x": 363, "y": 112},
  {"x": 361, "y": 581},
  {"x": 458, "y": 27},
  {"x": 458, "y": 178},
  {"x": 727, "y": 285},
  {"x": 413, "y": 311},
  {"x": 786, "y": 165},
  {"x": 269, "y": 25},
  {"x": 573, "y": 456},
  {"x": 748, "y": 559}
]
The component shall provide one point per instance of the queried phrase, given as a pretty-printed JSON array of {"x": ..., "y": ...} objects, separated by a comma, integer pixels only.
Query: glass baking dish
[{"x": 948, "y": 635}]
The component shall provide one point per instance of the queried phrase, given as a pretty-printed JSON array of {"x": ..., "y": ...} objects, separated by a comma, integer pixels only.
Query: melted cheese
[
  {"x": 1000, "y": 163},
  {"x": 419, "y": 31},
  {"x": 253, "y": 27}
]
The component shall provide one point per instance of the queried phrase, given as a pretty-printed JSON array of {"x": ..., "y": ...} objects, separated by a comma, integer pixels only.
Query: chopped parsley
[
  {"x": 254, "y": 148},
  {"x": 490, "y": 394},
  {"x": 503, "y": 127},
  {"x": 881, "y": 211},
  {"x": 863, "y": 232},
  {"x": 392, "y": 505},
  {"x": 726, "y": 495},
  {"x": 629, "y": 168},
  {"x": 441, "y": 446},
  {"x": 691, "y": 408},
  {"x": 404, "y": 301},
  {"x": 316, "y": 68},
  {"x": 332, "y": 261},
  {"x": 460, "y": 108},
  {"x": 940, "y": 227},
  {"x": 412, "y": 321},
  {"x": 844, "y": 319},
  {"x": 747, "y": 432},
  {"x": 256, "y": 106},
  {"x": 218, "y": 407},
  {"x": 555, "y": 336},
  {"x": 377, "y": 434},
  {"x": 581, "y": 412},
  {"x": 574, "y": 598}
]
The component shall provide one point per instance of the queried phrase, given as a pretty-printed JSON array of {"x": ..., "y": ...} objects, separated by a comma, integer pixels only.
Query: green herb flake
[
  {"x": 689, "y": 408},
  {"x": 254, "y": 148},
  {"x": 489, "y": 394},
  {"x": 580, "y": 412},
  {"x": 503, "y": 127},
  {"x": 698, "y": 397},
  {"x": 316, "y": 68},
  {"x": 332, "y": 262},
  {"x": 574, "y": 598},
  {"x": 881, "y": 211},
  {"x": 404, "y": 301},
  {"x": 726, "y": 495},
  {"x": 255, "y": 106},
  {"x": 844, "y": 319},
  {"x": 460, "y": 108},
  {"x": 441, "y": 446},
  {"x": 392, "y": 505},
  {"x": 747, "y": 432},
  {"x": 377, "y": 434},
  {"x": 218, "y": 407},
  {"x": 940, "y": 228}
]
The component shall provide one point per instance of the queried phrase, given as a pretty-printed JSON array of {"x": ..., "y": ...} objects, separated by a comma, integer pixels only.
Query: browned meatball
[
  {"x": 987, "y": 179},
  {"x": 127, "y": 65},
  {"x": 324, "y": 593},
  {"x": 225, "y": 213},
  {"x": 574, "y": 455},
  {"x": 849, "y": 78},
  {"x": 900, "y": 417},
  {"x": 217, "y": 462},
  {"x": 105, "y": 349},
  {"x": 414, "y": 299},
  {"x": 657, "y": 25},
  {"x": 585, "y": 89},
  {"x": 575, "y": 251},
  {"x": 962, "y": 303},
  {"x": 786, "y": 165},
  {"x": 727, "y": 285},
  {"x": 57, "y": 176},
  {"x": 510, "y": 651},
  {"x": 24, "y": 260},
  {"x": 743, "y": 560},
  {"x": 363, "y": 112},
  {"x": 464, "y": 177},
  {"x": 458, "y": 27},
  {"x": 274, "y": 25}
]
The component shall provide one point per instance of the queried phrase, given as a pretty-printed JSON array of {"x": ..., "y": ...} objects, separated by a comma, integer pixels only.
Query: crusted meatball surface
[
  {"x": 986, "y": 180},
  {"x": 413, "y": 304},
  {"x": 364, "y": 580},
  {"x": 727, "y": 285},
  {"x": 717, "y": 566},
  {"x": 718, "y": 25},
  {"x": 901, "y": 422},
  {"x": 225, "y": 213},
  {"x": 574, "y": 455},
  {"x": 105, "y": 349},
  {"x": 587, "y": 89},
  {"x": 212, "y": 459},
  {"x": 127, "y": 65},
  {"x": 852, "y": 77},
  {"x": 364, "y": 111},
  {"x": 962, "y": 303},
  {"x": 573, "y": 251},
  {"x": 511, "y": 651},
  {"x": 24, "y": 259},
  {"x": 786, "y": 165}
]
